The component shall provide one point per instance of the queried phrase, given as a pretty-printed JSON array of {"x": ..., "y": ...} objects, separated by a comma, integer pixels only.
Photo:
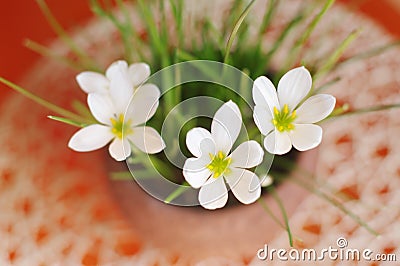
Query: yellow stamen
[
  {"x": 219, "y": 164},
  {"x": 285, "y": 109},
  {"x": 276, "y": 111},
  {"x": 119, "y": 127},
  {"x": 283, "y": 119}
]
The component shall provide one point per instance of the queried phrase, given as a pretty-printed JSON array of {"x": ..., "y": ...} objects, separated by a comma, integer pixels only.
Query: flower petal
[
  {"x": 147, "y": 139},
  {"x": 138, "y": 73},
  {"x": 120, "y": 149},
  {"x": 213, "y": 194},
  {"x": 90, "y": 138},
  {"x": 194, "y": 138},
  {"x": 315, "y": 108},
  {"x": 225, "y": 127},
  {"x": 121, "y": 89},
  {"x": 294, "y": 86},
  {"x": 244, "y": 184},
  {"x": 247, "y": 155},
  {"x": 306, "y": 136},
  {"x": 92, "y": 82},
  {"x": 195, "y": 171},
  {"x": 116, "y": 67},
  {"x": 144, "y": 104},
  {"x": 263, "y": 119},
  {"x": 101, "y": 107},
  {"x": 264, "y": 93},
  {"x": 277, "y": 143}
]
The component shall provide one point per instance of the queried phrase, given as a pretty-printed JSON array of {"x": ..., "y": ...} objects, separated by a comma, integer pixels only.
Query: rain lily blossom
[
  {"x": 213, "y": 164},
  {"x": 283, "y": 119},
  {"x": 93, "y": 82},
  {"x": 121, "y": 111}
]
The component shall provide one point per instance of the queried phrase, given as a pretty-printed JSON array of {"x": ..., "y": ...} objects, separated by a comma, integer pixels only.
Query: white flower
[
  {"x": 119, "y": 119},
  {"x": 93, "y": 82},
  {"x": 213, "y": 164},
  {"x": 282, "y": 120}
]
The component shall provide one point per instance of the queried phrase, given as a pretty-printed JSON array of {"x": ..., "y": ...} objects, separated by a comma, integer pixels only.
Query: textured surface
[{"x": 57, "y": 207}]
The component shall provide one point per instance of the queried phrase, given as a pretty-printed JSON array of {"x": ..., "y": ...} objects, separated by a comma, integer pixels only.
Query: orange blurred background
[{"x": 23, "y": 19}]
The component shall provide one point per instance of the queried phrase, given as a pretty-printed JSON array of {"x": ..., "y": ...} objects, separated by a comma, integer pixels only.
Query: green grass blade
[
  {"x": 46, "y": 52},
  {"x": 50, "y": 106},
  {"x": 311, "y": 27},
  {"x": 235, "y": 30},
  {"x": 176, "y": 193},
  {"x": 270, "y": 213},
  {"x": 336, "y": 204},
  {"x": 281, "y": 38},
  {"x": 127, "y": 175},
  {"x": 62, "y": 34},
  {"x": 327, "y": 85},
  {"x": 82, "y": 110},
  {"x": 335, "y": 56},
  {"x": 278, "y": 200},
  {"x": 367, "y": 110},
  {"x": 310, "y": 187},
  {"x": 66, "y": 121},
  {"x": 294, "y": 52},
  {"x": 271, "y": 9},
  {"x": 370, "y": 53},
  {"x": 177, "y": 11}
]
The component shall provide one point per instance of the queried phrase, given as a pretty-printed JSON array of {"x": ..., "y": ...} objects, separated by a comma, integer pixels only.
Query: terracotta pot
[{"x": 59, "y": 207}]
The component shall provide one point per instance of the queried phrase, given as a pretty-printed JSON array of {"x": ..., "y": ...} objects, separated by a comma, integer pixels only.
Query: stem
[{"x": 50, "y": 106}]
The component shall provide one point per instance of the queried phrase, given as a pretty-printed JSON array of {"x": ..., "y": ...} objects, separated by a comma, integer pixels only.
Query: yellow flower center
[
  {"x": 219, "y": 164},
  {"x": 118, "y": 126},
  {"x": 283, "y": 119}
]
